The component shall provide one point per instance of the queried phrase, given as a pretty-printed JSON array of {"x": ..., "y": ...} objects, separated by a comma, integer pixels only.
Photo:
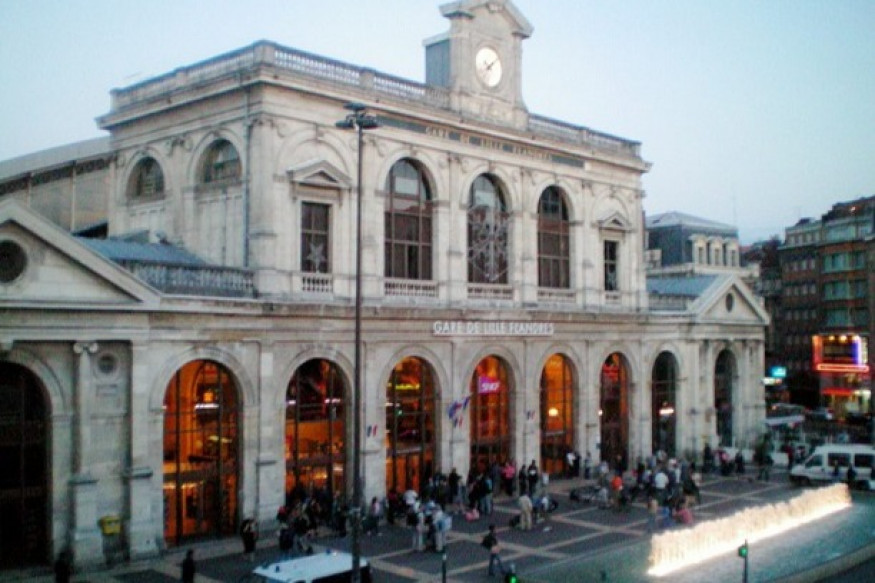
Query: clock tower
[{"x": 479, "y": 59}]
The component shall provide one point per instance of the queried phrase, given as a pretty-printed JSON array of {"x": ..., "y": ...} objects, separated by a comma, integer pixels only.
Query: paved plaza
[{"x": 579, "y": 542}]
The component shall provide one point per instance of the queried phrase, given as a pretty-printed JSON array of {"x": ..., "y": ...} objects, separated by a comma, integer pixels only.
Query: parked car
[
  {"x": 821, "y": 414},
  {"x": 328, "y": 567},
  {"x": 820, "y": 465}
]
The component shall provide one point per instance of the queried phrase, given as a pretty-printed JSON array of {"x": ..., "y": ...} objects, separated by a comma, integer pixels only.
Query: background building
[
  {"x": 826, "y": 307},
  {"x": 195, "y": 365}
]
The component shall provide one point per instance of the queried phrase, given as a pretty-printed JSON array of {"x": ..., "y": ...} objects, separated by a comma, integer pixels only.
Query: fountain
[{"x": 680, "y": 548}]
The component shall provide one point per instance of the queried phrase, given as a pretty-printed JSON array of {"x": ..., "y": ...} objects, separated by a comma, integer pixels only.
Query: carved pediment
[
  {"x": 319, "y": 174},
  {"x": 614, "y": 222}
]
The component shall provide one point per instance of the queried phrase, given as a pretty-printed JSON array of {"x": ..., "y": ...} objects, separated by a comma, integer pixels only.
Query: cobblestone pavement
[{"x": 579, "y": 542}]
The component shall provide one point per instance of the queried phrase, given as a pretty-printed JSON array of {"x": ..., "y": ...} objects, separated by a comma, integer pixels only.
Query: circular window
[
  {"x": 107, "y": 363},
  {"x": 730, "y": 302},
  {"x": 13, "y": 260}
]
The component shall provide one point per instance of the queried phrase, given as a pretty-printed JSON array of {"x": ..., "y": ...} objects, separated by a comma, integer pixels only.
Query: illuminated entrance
[
  {"x": 724, "y": 375},
  {"x": 410, "y": 403},
  {"x": 24, "y": 469},
  {"x": 200, "y": 453},
  {"x": 315, "y": 428},
  {"x": 557, "y": 414},
  {"x": 663, "y": 385},
  {"x": 614, "y": 402},
  {"x": 490, "y": 413}
]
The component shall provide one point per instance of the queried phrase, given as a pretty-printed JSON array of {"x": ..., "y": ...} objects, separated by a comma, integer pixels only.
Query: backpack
[
  {"x": 488, "y": 542},
  {"x": 412, "y": 519}
]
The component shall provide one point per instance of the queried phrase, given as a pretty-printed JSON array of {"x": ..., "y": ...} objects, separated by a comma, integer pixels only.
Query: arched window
[
  {"x": 487, "y": 233},
  {"x": 147, "y": 180},
  {"x": 408, "y": 223},
  {"x": 221, "y": 163},
  {"x": 553, "y": 248}
]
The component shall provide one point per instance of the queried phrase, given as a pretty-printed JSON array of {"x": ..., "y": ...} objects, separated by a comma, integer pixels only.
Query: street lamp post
[{"x": 357, "y": 120}]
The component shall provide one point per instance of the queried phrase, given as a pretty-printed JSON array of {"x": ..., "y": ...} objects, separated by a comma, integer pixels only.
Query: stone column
[
  {"x": 270, "y": 472},
  {"x": 86, "y": 541},
  {"x": 144, "y": 525}
]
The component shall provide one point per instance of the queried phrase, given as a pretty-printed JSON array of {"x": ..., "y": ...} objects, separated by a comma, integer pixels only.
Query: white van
[
  {"x": 328, "y": 567},
  {"x": 820, "y": 465}
]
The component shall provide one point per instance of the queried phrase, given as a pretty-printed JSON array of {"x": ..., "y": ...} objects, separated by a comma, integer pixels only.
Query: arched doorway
[
  {"x": 200, "y": 453},
  {"x": 557, "y": 414},
  {"x": 410, "y": 425},
  {"x": 315, "y": 429},
  {"x": 614, "y": 410},
  {"x": 724, "y": 375},
  {"x": 663, "y": 385},
  {"x": 490, "y": 413},
  {"x": 24, "y": 469}
]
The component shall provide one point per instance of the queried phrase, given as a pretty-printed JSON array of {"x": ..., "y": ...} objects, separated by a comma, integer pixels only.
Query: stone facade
[{"x": 106, "y": 348}]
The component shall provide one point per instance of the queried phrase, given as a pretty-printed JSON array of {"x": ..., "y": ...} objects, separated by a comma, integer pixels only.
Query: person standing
[
  {"x": 62, "y": 566},
  {"x": 188, "y": 567},
  {"x": 525, "y": 504},
  {"x": 490, "y": 542},
  {"x": 587, "y": 466},
  {"x": 532, "y": 476},
  {"x": 249, "y": 534},
  {"x": 523, "y": 481},
  {"x": 453, "y": 490}
]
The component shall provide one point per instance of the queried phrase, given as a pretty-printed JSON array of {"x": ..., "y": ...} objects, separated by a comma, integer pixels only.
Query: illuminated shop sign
[
  {"x": 840, "y": 353},
  {"x": 487, "y": 385},
  {"x": 493, "y": 328}
]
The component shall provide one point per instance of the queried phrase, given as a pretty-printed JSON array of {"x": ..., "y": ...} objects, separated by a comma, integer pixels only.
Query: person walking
[
  {"x": 188, "y": 567},
  {"x": 491, "y": 544}
]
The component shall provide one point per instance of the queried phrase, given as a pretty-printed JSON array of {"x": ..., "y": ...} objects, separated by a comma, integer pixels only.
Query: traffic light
[
  {"x": 511, "y": 578},
  {"x": 742, "y": 550}
]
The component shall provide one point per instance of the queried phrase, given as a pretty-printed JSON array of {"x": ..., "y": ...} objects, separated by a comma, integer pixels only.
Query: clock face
[{"x": 488, "y": 67}]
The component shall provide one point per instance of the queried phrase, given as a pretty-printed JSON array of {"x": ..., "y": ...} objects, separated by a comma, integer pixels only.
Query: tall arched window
[
  {"x": 724, "y": 375},
  {"x": 663, "y": 383},
  {"x": 488, "y": 221},
  {"x": 200, "y": 453},
  {"x": 315, "y": 428},
  {"x": 221, "y": 163},
  {"x": 614, "y": 410},
  {"x": 557, "y": 413},
  {"x": 147, "y": 180},
  {"x": 410, "y": 425},
  {"x": 553, "y": 247},
  {"x": 408, "y": 222},
  {"x": 490, "y": 413}
]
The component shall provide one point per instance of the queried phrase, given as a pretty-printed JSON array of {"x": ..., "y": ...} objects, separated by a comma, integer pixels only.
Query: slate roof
[
  {"x": 692, "y": 286},
  {"x": 120, "y": 251},
  {"x": 675, "y": 219}
]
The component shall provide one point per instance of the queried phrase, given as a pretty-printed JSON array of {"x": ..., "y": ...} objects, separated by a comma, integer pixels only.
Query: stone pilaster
[
  {"x": 145, "y": 511},
  {"x": 86, "y": 543}
]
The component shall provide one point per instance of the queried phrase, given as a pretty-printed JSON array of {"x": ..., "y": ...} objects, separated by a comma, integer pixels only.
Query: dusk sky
[{"x": 753, "y": 113}]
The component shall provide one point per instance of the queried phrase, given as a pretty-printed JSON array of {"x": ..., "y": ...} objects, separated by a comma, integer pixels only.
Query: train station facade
[{"x": 196, "y": 363}]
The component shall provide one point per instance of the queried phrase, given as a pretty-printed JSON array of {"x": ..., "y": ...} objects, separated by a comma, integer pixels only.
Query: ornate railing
[
  {"x": 410, "y": 288},
  {"x": 379, "y": 85},
  {"x": 485, "y": 291},
  {"x": 556, "y": 296},
  {"x": 194, "y": 280},
  {"x": 317, "y": 283},
  {"x": 660, "y": 303},
  {"x": 567, "y": 132}
]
